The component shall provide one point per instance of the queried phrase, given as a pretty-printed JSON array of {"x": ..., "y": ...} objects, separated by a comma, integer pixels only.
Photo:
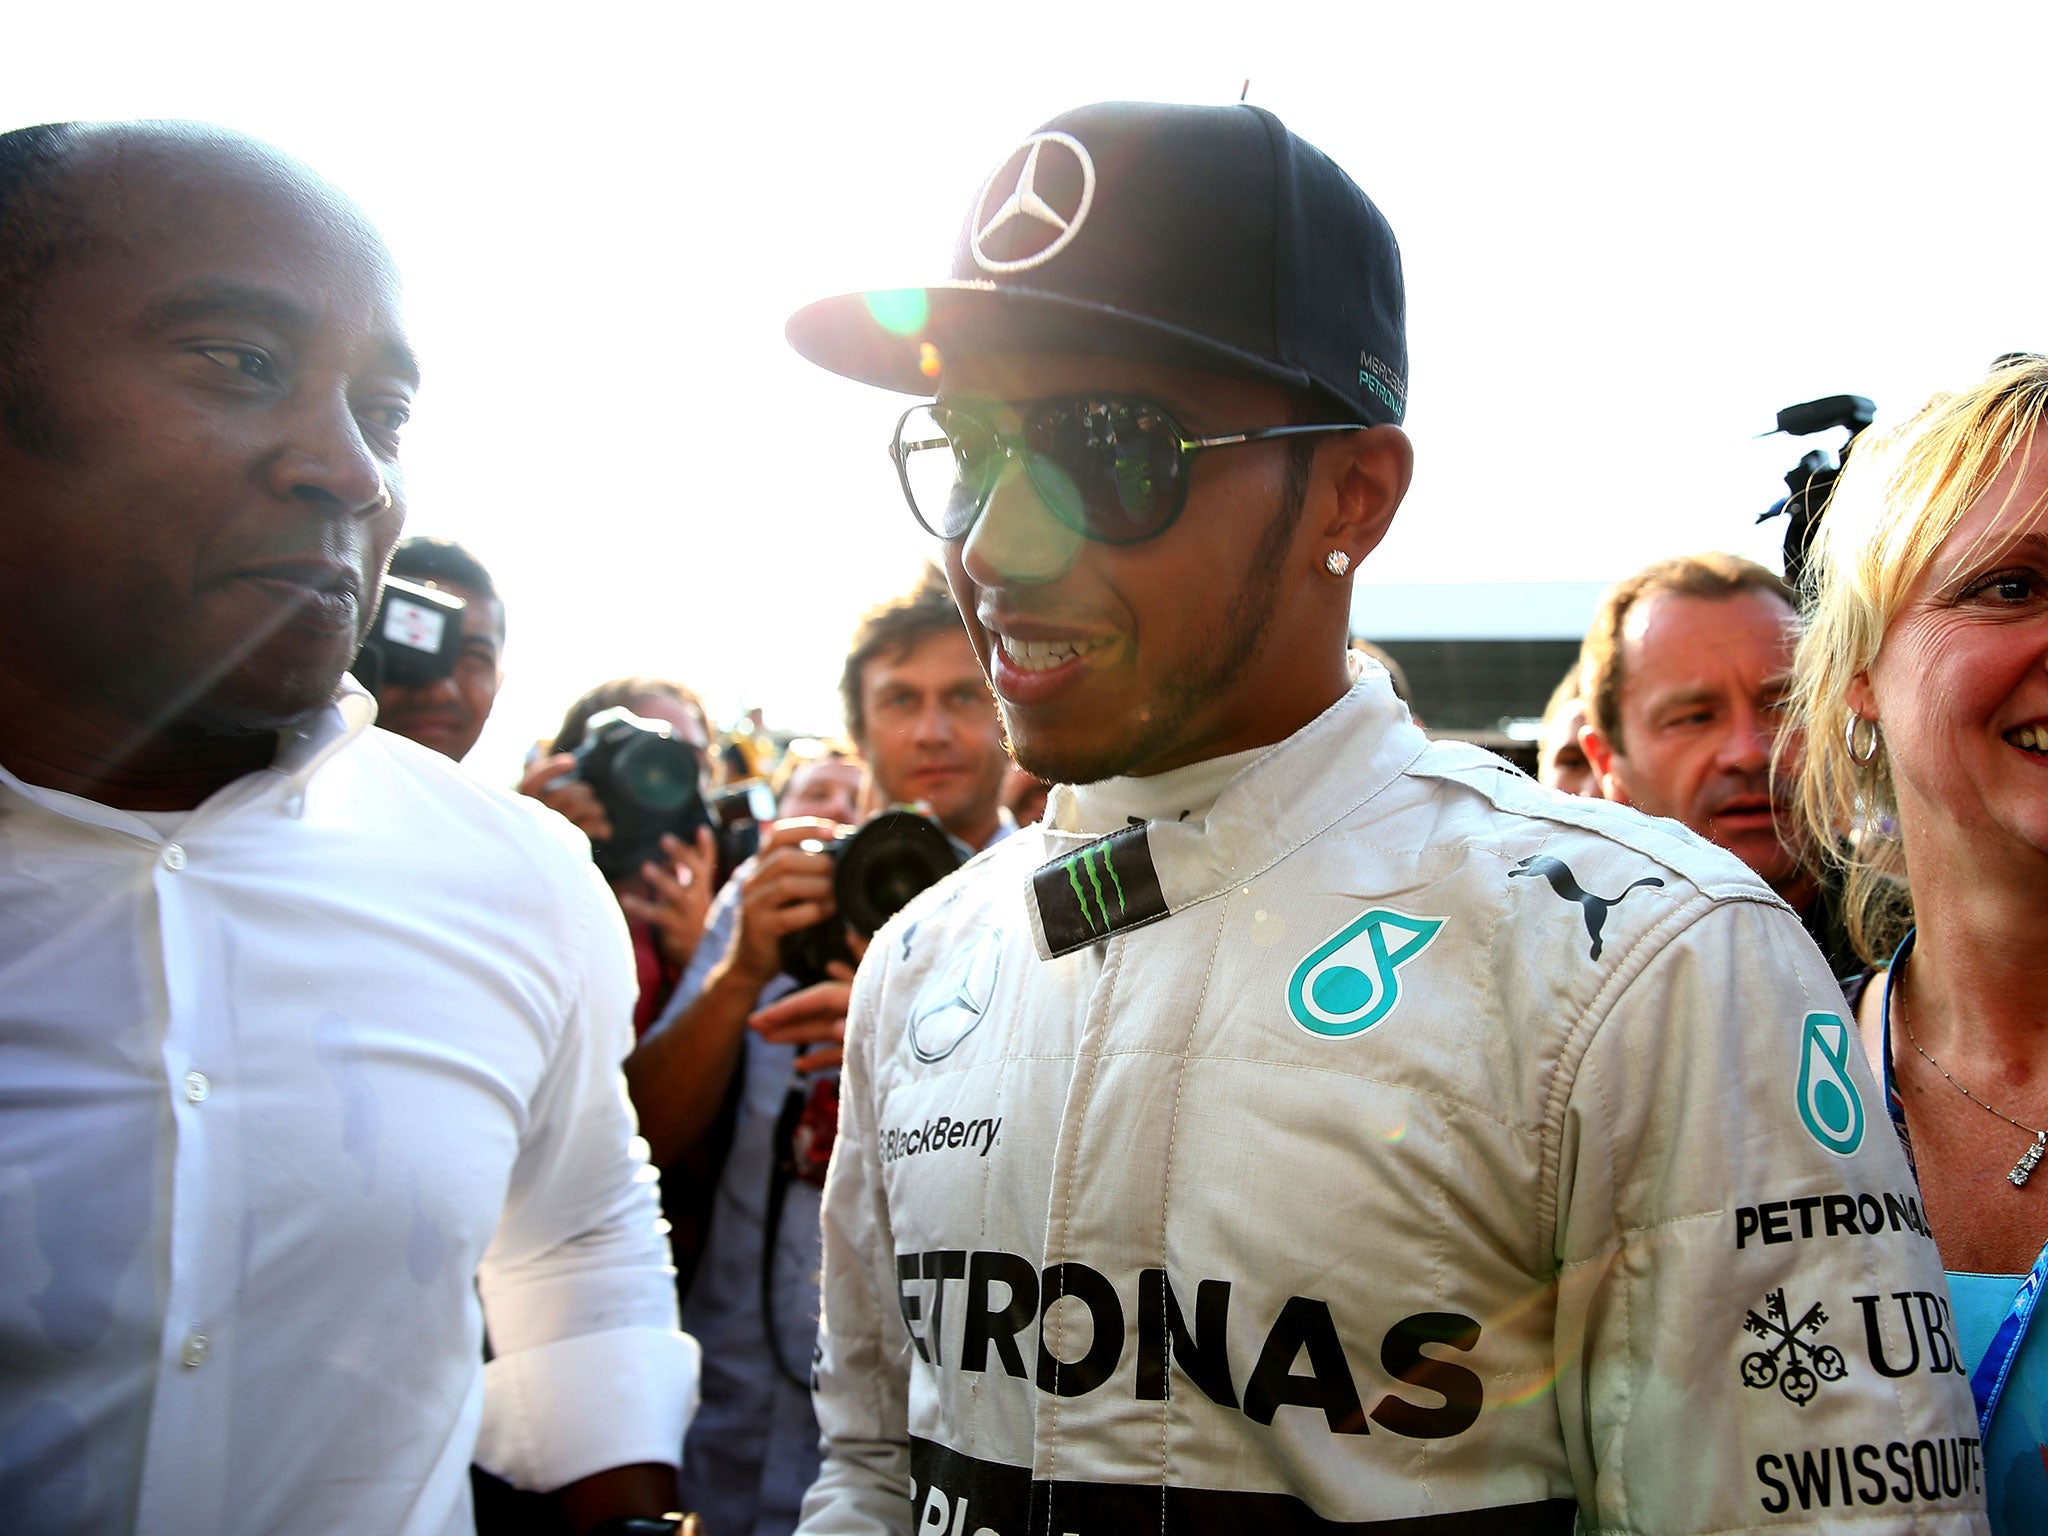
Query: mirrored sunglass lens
[
  {"x": 948, "y": 458},
  {"x": 1122, "y": 460}
]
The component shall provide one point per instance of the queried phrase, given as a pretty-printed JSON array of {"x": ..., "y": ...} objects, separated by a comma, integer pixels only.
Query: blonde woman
[{"x": 1923, "y": 685}]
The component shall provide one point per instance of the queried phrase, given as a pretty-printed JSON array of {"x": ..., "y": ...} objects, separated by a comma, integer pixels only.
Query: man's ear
[
  {"x": 1606, "y": 765},
  {"x": 1370, "y": 472}
]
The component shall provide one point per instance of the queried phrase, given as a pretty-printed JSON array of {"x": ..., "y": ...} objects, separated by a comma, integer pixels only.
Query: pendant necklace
[{"x": 2030, "y": 1159}]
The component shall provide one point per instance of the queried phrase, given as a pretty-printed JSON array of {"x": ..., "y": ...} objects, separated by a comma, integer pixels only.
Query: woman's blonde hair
[{"x": 1901, "y": 495}]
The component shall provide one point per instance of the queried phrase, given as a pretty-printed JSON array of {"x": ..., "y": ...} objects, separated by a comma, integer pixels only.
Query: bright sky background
[{"x": 1631, "y": 233}]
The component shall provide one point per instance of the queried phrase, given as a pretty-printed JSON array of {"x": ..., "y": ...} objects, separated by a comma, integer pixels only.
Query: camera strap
[{"x": 804, "y": 1133}]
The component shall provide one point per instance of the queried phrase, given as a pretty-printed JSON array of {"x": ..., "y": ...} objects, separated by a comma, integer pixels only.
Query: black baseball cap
[{"x": 1208, "y": 237}]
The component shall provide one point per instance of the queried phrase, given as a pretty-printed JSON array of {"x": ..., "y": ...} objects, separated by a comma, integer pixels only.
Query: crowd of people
[{"x": 1275, "y": 1120}]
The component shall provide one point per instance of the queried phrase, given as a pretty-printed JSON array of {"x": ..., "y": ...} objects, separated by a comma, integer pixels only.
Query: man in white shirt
[
  {"x": 1308, "y": 1128},
  {"x": 305, "y": 1038}
]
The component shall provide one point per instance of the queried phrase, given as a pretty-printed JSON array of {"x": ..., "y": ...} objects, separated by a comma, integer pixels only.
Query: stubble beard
[{"x": 1195, "y": 679}]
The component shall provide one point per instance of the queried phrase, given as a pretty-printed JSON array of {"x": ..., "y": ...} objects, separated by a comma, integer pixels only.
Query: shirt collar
[
  {"x": 1005, "y": 825},
  {"x": 302, "y": 749}
]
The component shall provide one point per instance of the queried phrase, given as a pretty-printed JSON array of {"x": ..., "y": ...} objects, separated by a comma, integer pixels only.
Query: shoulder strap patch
[{"x": 1101, "y": 888}]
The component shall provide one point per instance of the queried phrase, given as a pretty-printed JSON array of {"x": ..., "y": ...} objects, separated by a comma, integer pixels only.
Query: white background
[{"x": 1631, "y": 234}]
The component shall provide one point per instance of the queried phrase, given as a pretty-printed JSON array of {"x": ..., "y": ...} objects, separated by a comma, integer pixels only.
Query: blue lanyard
[{"x": 1987, "y": 1382}]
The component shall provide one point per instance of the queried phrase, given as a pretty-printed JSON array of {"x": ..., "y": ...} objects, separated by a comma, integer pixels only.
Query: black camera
[
  {"x": 416, "y": 637},
  {"x": 737, "y": 813},
  {"x": 876, "y": 870},
  {"x": 1811, "y": 482},
  {"x": 649, "y": 782}
]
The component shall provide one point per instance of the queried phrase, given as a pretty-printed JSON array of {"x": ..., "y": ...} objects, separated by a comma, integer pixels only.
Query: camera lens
[
  {"x": 658, "y": 772},
  {"x": 893, "y": 880},
  {"x": 647, "y": 782},
  {"x": 886, "y": 863}
]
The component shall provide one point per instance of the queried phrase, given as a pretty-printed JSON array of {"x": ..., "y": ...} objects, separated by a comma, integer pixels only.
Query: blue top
[
  {"x": 752, "y": 1449},
  {"x": 2016, "y": 1450},
  {"x": 2016, "y": 1460}
]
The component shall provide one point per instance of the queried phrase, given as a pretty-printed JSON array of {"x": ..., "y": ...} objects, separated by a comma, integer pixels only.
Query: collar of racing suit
[
  {"x": 1284, "y": 796},
  {"x": 1180, "y": 794}
]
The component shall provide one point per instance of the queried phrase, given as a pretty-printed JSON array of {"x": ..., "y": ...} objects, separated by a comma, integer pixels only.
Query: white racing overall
[{"x": 1399, "y": 1148}]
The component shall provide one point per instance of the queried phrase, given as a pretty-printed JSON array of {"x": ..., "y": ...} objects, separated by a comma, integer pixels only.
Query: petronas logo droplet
[
  {"x": 1350, "y": 981},
  {"x": 1828, "y": 1101}
]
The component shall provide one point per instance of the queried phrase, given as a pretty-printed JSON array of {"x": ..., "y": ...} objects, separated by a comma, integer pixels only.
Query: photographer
[
  {"x": 920, "y": 712},
  {"x": 448, "y": 713},
  {"x": 665, "y": 900}
]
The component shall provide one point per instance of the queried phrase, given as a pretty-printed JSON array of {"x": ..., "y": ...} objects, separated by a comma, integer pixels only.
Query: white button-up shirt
[{"x": 281, "y": 1090}]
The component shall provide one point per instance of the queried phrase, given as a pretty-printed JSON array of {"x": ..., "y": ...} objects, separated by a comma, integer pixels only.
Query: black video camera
[
  {"x": 1811, "y": 482},
  {"x": 415, "y": 639},
  {"x": 875, "y": 872}
]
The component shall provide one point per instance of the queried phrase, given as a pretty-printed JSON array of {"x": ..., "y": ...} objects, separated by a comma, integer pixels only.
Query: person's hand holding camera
[
  {"x": 790, "y": 887},
  {"x": 673, "y": 894},
  {"x": 574, "y": 799},
  {"x": 813, "y": 1016}
]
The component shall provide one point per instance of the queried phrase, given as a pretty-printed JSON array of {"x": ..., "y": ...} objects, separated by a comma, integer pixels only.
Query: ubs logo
[{"x": 1788, "y": 1358}]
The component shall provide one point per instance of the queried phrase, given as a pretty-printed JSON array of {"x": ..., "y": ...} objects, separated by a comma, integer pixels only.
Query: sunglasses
[{"x": 1112, "y": 469}]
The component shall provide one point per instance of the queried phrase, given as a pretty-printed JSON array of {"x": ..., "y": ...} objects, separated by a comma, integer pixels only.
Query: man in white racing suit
[{"x": 1308, "y": 1128}]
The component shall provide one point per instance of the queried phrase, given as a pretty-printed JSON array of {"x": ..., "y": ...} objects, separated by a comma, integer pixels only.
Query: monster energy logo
[
  {"x": 1084, "y": 863},
  {"x": 1093, "y": 892}
]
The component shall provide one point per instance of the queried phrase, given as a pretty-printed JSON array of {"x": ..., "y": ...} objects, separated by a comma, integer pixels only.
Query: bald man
[{"x": 305, "y": 1039}]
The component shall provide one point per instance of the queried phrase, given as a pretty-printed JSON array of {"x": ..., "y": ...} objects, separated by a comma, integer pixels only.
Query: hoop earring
[
  {"x": 1862, "y": 750},
  {"x": 1336, "y": 562}
]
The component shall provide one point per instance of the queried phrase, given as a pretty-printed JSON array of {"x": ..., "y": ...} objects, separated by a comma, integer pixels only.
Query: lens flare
[
  {"x": 899, "y": 311},
  {"x": 1522, "y": 1389},
  {"x": 928, "y": 362}
]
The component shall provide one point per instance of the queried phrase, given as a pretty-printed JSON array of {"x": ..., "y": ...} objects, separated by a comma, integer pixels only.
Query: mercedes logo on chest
[
  {"x": 955, "y": 1000},
  {"x": 1036, "y": 225}
]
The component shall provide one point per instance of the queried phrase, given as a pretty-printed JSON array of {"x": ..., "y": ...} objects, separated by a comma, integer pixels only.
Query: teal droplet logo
[
  {"x": 1348, "y": 983},
  {"x": 1833, "y": 1107},
  {"x": 1828, "y": 1102},
  {"x": 1342, "y": 990}
]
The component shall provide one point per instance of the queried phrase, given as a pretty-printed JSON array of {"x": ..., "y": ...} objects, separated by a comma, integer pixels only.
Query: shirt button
[
  {"x": 173, "y": 856},
  {"x": 197, "y": 1087},
  {"x": 194, "y": 1352}
]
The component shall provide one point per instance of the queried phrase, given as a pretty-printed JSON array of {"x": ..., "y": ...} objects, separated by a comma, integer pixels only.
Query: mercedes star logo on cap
[{"x": 1024, "y": 202}]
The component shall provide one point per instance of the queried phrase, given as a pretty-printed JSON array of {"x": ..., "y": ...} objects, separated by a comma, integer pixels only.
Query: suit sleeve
[
  {"x": 1753, "y": 1326},
  {"x": 589, "y": 1370},
  {"x": 861, "y": 1380}
]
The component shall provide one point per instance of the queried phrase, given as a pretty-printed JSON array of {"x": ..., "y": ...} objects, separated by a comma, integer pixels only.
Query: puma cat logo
[{"x": 1566, "y": 884}]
